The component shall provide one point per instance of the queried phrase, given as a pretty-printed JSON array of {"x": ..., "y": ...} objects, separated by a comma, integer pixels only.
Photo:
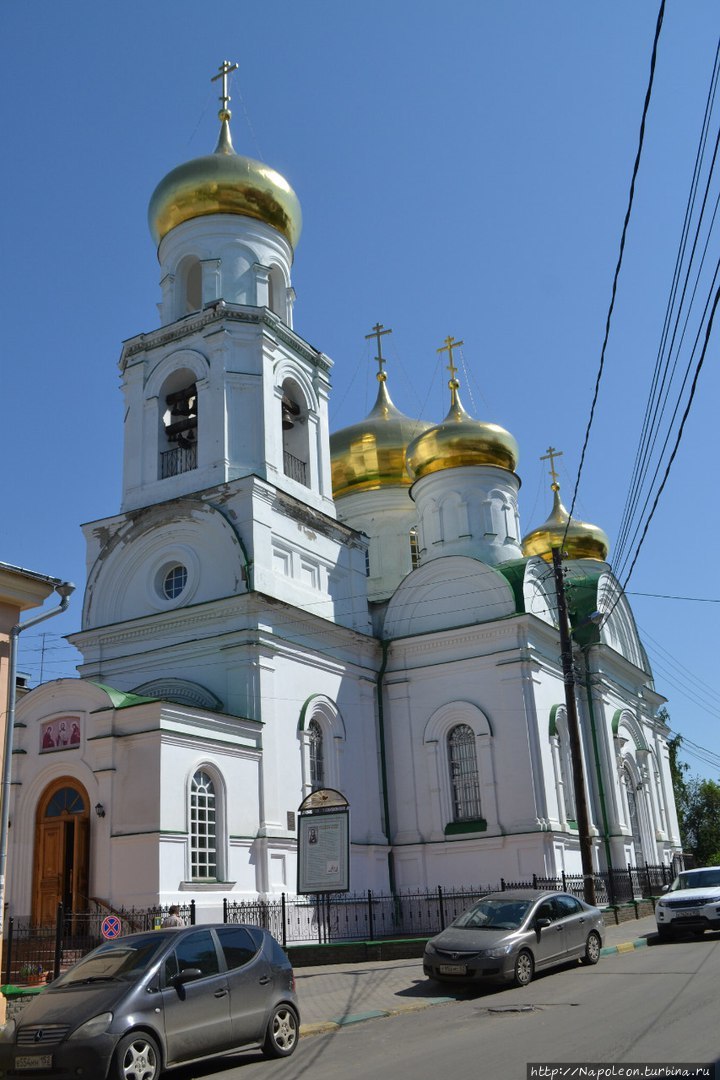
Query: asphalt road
[{"x": 655, "y": 1004}]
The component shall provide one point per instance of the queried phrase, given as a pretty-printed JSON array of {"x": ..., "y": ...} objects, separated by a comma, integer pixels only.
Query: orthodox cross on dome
[
  {"x": 378, "y": 331},
  {"x": 450, "y": 344},
  {"x": 225, "y": 69},
  {"x": 550, "y": 456}
]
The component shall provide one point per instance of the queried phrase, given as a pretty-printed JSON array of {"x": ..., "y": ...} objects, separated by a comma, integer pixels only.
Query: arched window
[
  {"x": 203, "y": 828},
  {"x": 317, "y": 764},
  {"x": 414, "y": 548},
  {"x": 464, "y": 778},
  {"x": 294, "y": 433},
  {"x": 179, "y": 419},
  {"x": 566, "y": 770},
  {"x": 631, "y": 789}
]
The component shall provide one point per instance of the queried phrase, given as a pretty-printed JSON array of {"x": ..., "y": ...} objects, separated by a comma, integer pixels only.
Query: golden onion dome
[
  {"x": 459, "y": 440},
  {"x": 578, "y": 539},
  {"x": 224, "y": 182},
  {"x": 371, "y": 454}
]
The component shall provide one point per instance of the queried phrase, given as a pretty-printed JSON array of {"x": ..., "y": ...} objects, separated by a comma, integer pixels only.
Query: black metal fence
[{"x": 38, "y": 954}]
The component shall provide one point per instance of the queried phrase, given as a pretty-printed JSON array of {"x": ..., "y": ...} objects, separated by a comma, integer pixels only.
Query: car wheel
[
  {"x": 664, "y": 932},
  {"x": 136, "y": 1058},
  {"x": 524, "y": 968},
  {"x": 593, "y": 945},
  {"x": 281, "y": 1036}
]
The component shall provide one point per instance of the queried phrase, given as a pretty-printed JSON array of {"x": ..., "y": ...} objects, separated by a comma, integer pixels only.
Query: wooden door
[{"x": 62, "y": 850}]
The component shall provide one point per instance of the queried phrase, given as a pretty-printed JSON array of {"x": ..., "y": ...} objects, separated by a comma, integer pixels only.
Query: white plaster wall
[{"x": 386, "y": 516}]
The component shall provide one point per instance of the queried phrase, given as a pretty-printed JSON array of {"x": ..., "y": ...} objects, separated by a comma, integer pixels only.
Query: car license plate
[
  {"x": 453, "y": 969},
  {"x": 34, "y": 1061},
  {"x": 689, "y": 913}
]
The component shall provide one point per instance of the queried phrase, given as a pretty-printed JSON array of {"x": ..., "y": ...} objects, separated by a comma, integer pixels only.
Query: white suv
[{"x": 691, "y": 903}]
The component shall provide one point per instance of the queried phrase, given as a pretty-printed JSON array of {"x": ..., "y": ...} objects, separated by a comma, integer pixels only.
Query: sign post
[{"x": 323, "y": 845}]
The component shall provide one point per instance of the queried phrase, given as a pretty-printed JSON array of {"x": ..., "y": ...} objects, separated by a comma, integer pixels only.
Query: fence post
[
  {"x": 630, "y": 878},
  {"x": 192, "y": 912},
  {"x": 502, "y": 884},
  {"x": 441, "y": 907},
  {"x": 59, "y": 920},
  {"x": 371, "y": 925},
  {"x": 225, "y": 909},
  {"x": 9, "y": 946},
  {"x": 564, "y": 884},
  {"x": 283, "y": 913},
  {"x": 534, "y": 881}
]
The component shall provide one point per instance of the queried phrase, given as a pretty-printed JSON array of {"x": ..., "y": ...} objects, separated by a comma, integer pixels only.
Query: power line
[{"x": 618, "y": 266}]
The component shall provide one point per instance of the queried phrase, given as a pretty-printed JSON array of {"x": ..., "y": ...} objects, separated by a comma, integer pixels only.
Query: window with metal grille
[
  {"x": 317, "y": 765},
  {"x": 464, "y": 778},
  {"x": 414, "y": 549},
  {"x": 203, "y": 827}
]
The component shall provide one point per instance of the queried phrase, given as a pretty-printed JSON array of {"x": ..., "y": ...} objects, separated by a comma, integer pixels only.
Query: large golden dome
[
  {"x": 459, "y": 440},
  {"x": 224, "y": 183},
  {"x": 583, "y": 541},
  {"x": 371, "y": 454}
]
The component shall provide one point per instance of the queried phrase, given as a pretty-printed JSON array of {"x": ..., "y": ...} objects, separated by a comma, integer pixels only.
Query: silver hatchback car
[
  {"x": 151, "y": 1001},
  {"x": 508, "y": 936}
]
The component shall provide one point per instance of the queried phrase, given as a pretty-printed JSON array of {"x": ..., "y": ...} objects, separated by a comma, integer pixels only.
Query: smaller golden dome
[
  {"x": 459, "y": 440},
  {"x": 583, "y": 541},
  {"x": 371, "y": 454},
  {"x": 224, "y": 182}
]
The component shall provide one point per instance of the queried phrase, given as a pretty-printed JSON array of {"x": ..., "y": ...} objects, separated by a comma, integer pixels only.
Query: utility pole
[{"x": 581, "y": 807}]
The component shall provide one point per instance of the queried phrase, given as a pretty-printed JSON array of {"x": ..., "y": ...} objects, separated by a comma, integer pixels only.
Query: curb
[
  {"x": 325, "y": 1026},
  {"x": 624, "y": 947}
]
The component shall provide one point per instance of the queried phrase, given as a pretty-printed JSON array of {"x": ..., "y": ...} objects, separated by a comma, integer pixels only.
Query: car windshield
[
  {"x": 697, "y": 879},
  {"x": 123, "y": 960},
  {"x": 494, "y": 915}
]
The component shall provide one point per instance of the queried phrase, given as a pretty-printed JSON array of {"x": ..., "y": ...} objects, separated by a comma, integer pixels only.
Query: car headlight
[
  {"x": 7, "y": 1032},
  {"x": 430, "y": 949},
  {"x": 96, "y": 1026},
  {"x": 496, "y": 954}
]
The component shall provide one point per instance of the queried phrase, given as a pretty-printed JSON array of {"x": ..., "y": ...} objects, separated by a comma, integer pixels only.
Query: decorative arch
[
  {"x": 618, "y": 630},
  {"x": 562, "y": 766},
  {"x": 449, "y": 772},
  {"x": 447, "y": 592},
  {"x": 539, "y": 592},
  {"x": 321, "y": 729},
  {"x": 188, "y": 286},
  {"x": 180, "y": 691},
  {"x": 623, "y": 718},
  {"x": 277, "y": 291}
]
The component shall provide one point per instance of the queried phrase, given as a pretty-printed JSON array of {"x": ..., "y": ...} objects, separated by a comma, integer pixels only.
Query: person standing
[{"x": 173, "y": 917}]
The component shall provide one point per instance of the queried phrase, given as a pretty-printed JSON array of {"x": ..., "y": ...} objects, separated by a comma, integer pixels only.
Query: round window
[{"x": 175, "y": 581}]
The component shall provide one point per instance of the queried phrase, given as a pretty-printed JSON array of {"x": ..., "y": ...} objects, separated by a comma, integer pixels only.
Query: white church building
[{"x": 275, "y": 608}]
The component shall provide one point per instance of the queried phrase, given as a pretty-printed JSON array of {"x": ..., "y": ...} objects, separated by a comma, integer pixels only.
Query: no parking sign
[{"x": 111, "y": 927}]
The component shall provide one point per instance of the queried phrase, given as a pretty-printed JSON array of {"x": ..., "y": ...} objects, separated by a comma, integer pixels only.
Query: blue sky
[{"x": 463, "y": 169}]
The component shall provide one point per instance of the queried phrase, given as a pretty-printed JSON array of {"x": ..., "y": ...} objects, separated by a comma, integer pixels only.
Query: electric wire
[
  {"x": 636, "y": 167},
  {"x": 642, "y": 449}
]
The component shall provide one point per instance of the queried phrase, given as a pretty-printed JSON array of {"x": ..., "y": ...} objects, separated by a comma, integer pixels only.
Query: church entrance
[{"x": 62, "y": 851}]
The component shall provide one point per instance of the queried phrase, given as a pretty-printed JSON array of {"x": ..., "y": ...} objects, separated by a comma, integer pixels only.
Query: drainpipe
[
  {"x": 64, "y": 589},
  {"x": 383, "y": 763},
  {"x": 593, "y": 730}
]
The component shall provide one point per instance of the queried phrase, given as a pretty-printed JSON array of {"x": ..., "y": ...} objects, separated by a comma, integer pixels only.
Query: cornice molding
[{"x": 217, "y": 312}]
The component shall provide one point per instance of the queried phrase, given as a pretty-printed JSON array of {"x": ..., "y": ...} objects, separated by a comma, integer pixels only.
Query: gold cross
[
  {"x": 224, "y": 70},
  {"x": 552, "y": 453},
  {"x": 379, "y": 332},
  {"x": 450, "y": 344}
]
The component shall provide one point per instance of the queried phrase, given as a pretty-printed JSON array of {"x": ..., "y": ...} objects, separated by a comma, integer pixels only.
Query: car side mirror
[
  {"x": 185, "y": 976},
  {"x": 665, "y": 888},
  {"x": 542, "y": 923}
]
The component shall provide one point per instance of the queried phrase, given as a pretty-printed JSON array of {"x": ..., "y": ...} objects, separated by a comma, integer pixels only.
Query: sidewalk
[{"x": 340, "y": 994}]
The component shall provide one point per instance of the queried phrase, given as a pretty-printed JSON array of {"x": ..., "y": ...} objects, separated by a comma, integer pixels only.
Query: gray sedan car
[
  {"x": 508, "y": 936},
  {"x": 148, "y": 1002}
]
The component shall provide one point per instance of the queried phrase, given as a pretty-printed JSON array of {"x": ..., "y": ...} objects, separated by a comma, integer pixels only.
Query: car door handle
[
  {"x": 264, "y": 980},
  {"x": 220, "y": 993}
]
